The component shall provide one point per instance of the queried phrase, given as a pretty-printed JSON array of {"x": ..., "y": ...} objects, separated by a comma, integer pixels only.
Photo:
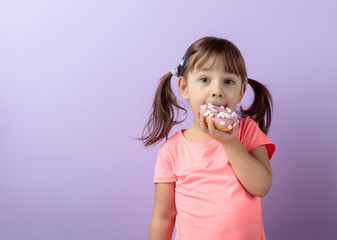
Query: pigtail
[
  {"x": 163, "y": 116},
  {"x": 261, "y": 108}
]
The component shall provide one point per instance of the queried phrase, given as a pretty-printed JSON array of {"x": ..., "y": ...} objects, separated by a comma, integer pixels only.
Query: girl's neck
[{"x": 195, "y": 133}]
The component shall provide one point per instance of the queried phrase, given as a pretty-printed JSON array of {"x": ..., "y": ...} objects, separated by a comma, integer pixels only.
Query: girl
[{"x": 208, "y": 182}]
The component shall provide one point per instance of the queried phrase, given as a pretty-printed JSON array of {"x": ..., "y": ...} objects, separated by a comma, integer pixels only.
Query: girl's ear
[
  {"x": 243, "y": 90},
  {"x": 182, "y": 86}
]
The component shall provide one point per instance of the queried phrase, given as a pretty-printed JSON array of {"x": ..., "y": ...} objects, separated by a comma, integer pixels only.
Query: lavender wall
[{"x": 76, "y": 85}]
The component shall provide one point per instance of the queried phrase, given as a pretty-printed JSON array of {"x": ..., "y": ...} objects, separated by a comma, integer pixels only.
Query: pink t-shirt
[{"x": 211, "y": 202}]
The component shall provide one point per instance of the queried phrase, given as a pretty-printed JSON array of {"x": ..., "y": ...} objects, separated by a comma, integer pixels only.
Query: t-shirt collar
[{"x": 207, "y": 143}]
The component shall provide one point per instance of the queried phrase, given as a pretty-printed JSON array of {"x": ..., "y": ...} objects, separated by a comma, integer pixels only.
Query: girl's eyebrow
[{"x": 209, "y": 70}]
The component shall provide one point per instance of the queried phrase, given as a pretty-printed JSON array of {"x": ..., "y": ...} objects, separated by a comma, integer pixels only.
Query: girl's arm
[
  {"x": 164, "y": 212},
  {"x": 252, "y": 168}
]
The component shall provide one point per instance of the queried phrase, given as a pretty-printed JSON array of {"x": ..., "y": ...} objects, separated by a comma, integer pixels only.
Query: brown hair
[{"x": 165, "y": 106}]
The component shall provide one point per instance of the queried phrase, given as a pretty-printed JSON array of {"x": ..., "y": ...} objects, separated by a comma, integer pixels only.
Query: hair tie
[
  {"x": 174, "y": 71},
  {"x": 245, "y": 79},
  {"x": 182, "y": 62}
]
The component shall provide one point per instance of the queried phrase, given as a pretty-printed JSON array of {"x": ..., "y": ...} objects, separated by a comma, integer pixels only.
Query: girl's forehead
[
  {"x": 211, "y": 64},
  {"x": 216, "y": 62}
]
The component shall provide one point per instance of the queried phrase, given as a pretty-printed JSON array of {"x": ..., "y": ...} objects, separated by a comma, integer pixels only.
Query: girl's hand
[{"x": 221, "y": 136}]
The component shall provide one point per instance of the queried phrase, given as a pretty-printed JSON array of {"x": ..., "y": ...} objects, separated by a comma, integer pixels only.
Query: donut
[{"x": 223, "y": 118}]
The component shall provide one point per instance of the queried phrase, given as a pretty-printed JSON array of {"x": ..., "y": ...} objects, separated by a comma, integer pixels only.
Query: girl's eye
[
  {"x": 228, "y": 81},
  {"x": 204, "y": 80}
]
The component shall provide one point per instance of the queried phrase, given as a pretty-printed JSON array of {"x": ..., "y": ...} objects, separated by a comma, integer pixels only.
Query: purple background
[{"x": 77, "y": 80}]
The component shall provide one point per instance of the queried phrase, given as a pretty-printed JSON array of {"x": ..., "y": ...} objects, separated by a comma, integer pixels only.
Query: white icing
[
  {"x": 221, "y": 115},
  {"x": 218, "y": 114},
  {"x": 207, "y": 113},
  {"x": 227, "y": 116}
]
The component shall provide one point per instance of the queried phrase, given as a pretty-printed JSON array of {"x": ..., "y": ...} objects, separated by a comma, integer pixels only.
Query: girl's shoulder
[
  {"x": 247, "y": 122},
  {"x": 252, "y": 136},
  {"x": 248, "y": 127},
  {"x": 171, "y": 141}
]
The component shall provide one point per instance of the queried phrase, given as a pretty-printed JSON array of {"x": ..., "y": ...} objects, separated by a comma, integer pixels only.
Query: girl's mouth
[{"x": 217, "y": 105}]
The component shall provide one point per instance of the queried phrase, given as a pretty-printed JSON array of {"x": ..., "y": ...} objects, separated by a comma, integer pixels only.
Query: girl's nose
[{"x": 216, "y": 90}]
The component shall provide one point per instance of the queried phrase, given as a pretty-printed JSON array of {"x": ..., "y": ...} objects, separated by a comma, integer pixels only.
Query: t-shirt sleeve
[
  {"x": 252, "y": 136},
  {"x": 163, "y": 170}
]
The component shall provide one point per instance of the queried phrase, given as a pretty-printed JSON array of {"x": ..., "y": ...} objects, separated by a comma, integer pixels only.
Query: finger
[
  {"x": 202, "y": 122},
  {"x": 211, "y": 127},
  {"x": 236, "y": 128}
]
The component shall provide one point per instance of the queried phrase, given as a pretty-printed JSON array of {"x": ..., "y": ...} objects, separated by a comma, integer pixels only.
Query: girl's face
[{"x": 211, "y": 86}]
